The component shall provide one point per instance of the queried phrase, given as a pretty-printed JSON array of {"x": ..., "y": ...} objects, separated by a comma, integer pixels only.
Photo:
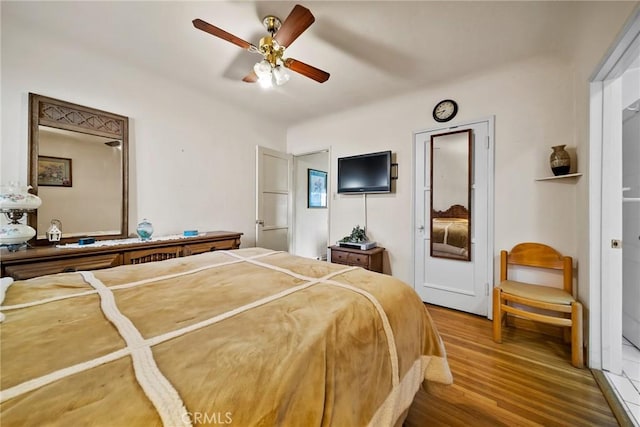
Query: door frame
[
  {"x": 605, "y": 131},
  {"x": 490, "y": 120}
]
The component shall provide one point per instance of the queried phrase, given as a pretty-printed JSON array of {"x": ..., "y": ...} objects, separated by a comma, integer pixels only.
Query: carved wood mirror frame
[
  {"x": 66, "y": 116},
  {"x": 450, "y": 219}
]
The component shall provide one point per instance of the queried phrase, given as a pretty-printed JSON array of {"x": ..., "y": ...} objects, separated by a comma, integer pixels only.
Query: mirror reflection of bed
[{"x": 450, "y": 233}]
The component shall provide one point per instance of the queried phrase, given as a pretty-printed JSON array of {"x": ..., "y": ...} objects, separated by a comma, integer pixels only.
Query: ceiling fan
[{"x": 272, "y": 69}]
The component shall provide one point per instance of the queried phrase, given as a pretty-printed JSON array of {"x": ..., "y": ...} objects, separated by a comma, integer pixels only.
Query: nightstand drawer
[
  {"x": 358, "y": 259},
  {"x": 371, "y": 259},
  {"x": 339, "y": 257},
  {"x": 349, "y": 258}
]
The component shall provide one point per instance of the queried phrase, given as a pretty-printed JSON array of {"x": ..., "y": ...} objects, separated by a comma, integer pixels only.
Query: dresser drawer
[
  {"x": 220, "y": 245},
  {"x": 34, "y": 269}
]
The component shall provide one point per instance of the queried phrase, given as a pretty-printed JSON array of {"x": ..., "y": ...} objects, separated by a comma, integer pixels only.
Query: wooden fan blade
[
  {"x": 307, "y": 70},
  {"x": 298, "y": 20},
  {"x": 219, "y": 32},
  {"x": 252, "y": 77}
]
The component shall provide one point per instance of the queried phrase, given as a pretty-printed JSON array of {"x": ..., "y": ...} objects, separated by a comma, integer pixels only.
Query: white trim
[
  {"x": 611, "y": 225},
  {"x": 595, "y": 221}
]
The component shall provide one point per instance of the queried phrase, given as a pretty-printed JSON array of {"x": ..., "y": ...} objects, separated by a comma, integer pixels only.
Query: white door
[
  {"x": 462, "y": 285},
  {"x": 273, "y": 199}
]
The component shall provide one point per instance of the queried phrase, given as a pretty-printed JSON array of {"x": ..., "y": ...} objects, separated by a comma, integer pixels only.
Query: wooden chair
[{"x": 568, "y": 310}]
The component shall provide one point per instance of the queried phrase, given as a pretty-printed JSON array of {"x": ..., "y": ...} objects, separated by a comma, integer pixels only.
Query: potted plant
[{"x": 357, "y": 236}]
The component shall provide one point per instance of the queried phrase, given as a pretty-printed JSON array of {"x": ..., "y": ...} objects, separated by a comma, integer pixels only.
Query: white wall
[
  {"x": 191, "y": 157},
  {"x": 532, "y": 101},
  {"x": 311, "y": 227}
]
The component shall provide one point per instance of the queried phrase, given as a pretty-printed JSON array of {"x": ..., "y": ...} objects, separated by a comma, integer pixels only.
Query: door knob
[{"x": 259, "y": 222}]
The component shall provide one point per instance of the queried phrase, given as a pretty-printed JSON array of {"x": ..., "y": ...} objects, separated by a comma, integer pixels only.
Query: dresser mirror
[
  {"x": 451, "y": 155},
  {"x": 79, "y": 168}
]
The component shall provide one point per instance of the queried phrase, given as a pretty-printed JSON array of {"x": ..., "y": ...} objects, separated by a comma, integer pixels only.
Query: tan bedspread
[
  {"x": 451, "y": 231},
  {"x": 248, "y": 338}
]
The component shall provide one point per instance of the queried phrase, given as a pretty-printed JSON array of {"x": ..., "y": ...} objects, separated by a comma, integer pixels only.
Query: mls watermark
[{"x": 208, "y": 418}]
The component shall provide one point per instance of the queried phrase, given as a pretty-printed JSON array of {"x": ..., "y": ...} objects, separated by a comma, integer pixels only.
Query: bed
[
  {"x": 249, "y": 337},
  {"x": 450, "y": 232}
]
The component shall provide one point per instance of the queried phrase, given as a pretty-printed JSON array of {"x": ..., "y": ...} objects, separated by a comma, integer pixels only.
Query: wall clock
[{"x": 445, "y": 110}]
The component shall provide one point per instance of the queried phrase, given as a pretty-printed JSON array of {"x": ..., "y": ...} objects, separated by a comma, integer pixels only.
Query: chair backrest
[{"x": 540, "y": 256}]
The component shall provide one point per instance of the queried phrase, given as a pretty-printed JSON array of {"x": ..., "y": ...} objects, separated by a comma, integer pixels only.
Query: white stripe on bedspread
[
  {"x": 5, "y": 282},
  {"x": 446, "y": 234},
  {"x": 159, "y": 390},
  {"x": 156, "y": 386}
]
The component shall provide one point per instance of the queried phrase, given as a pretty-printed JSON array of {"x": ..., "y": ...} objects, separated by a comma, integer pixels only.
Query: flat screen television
[{"x": 365, "y": 173}]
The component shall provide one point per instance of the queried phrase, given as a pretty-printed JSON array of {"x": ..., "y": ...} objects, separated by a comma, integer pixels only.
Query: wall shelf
[{"x": 569, "y": 175}]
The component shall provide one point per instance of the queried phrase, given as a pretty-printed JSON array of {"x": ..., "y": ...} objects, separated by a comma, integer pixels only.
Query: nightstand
[{"x": 370, "y": 259}]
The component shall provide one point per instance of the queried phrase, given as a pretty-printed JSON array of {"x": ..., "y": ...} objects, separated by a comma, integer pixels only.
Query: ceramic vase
[
  {"x": 144, "y": 230},
  {"x": 559, "y": 160}
]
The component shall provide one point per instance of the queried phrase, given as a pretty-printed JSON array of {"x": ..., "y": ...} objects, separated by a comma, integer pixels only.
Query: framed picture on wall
[
  {"x": 54, "y": 171},
  {"x": 317, "y": 189}
]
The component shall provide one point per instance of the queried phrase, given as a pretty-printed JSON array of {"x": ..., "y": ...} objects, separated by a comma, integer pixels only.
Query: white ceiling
[{"x": 373, "y": 49}]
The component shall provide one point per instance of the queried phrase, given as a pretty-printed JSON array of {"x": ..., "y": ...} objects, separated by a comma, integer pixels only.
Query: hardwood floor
[{"x": 527, "y": 380}]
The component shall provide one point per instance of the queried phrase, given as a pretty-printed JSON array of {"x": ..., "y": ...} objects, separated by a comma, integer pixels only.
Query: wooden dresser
[
  {"x": 370, "y": 259},
  {"x": 38, "y": 261}
]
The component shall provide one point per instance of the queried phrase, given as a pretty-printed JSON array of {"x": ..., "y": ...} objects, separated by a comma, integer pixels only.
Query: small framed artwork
[
  {"x": 54, "y": 171},
  {"x": 317, "y": 185}
]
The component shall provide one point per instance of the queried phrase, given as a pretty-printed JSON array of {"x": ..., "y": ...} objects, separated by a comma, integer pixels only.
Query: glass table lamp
[{"x": 15, "y": 201}]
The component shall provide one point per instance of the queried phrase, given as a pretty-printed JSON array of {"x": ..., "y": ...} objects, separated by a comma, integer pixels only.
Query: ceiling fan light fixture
[
  {"x": 262, "y": 69},
  {"x": 265, "y": 82},
  {"x": 280, "y": 75}
]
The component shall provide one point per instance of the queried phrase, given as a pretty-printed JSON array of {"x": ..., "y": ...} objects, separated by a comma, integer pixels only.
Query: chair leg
[
  {"x": 577, "y": 350},
  {"x": 497, "y": 315}
]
